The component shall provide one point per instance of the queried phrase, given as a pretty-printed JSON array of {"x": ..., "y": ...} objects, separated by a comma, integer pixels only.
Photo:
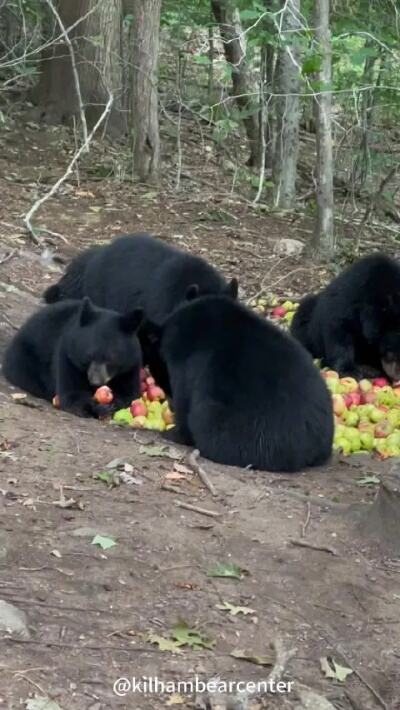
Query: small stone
[
  {"x": 288, "y": 247},
  {"x": 13, "y": 620}
]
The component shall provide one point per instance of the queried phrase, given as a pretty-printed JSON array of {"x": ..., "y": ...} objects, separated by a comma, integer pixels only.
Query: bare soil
[{"x": 314, "y": 582}]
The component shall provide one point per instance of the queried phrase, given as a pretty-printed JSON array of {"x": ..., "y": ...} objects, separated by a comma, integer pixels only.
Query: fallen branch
[
  {"x": 9, "y": 322},
  {"x": 201, "y": 472},
  {"x": 307, "y": 520},
  {"x": 40, "y": 202},
  {"x": 320, "y": 548},
  {"x": 9, "y": 256},
  {"x": 196, "y": 509}
]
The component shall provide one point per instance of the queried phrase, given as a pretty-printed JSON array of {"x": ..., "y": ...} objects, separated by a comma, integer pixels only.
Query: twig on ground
[
  {"x": 53, "y": 190},
  {"x": 9, "y": 256},
  {"x": 201, "y": 472},
  {"x": 307, "y": 520},
  {"x": 196, "y": 509},
  {"x": 23, "y": 676},
  {"x": 320, "y": 548},
  {"x": 9, "y": 322}
]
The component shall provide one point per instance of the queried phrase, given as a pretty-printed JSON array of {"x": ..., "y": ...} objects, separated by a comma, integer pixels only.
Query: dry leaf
[
  {"x": 180, "y": 468},
  {"x": 175, "y": 476}
]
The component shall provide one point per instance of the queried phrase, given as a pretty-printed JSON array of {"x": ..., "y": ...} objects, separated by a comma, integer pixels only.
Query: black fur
[
  {"x": 140, "y": 271},
  {"x": 70, "y": 349},
  {"x": 353, "y": 324},
  {"x": 244, "y": 392}
]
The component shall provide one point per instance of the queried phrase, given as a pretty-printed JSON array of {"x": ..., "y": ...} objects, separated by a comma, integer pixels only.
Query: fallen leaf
[
  {"x": 163, "y": 451},
  {"x": 105, "y": 476},
  {"x": 223, "y": 570},
  {"x": 368, "y": 481},
  {"x": 235, "y": 610},
  {"x": 104, "y": 542},
  {"x": 252, "y": 657},
  {"x": 41, "y": 703},
  {"x": 19, "y": 395},
  {"x": 149, "y": 195},
  {"x": 164, "y": 644},
  {"x": 56, "y": 553},
  {"x": 331, "y": 669},
  {"x": 180, "y": 468},
  {"x": 95, "y": 208},
  {"x": 185, "y": 636},
  {"x": 175, "y": 476}
]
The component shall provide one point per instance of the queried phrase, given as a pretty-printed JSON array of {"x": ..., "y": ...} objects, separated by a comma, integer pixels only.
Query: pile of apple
[
  {"x": 269, "y": 305},
  {"x": 151, "y": 411},
  {"x": 367, "y": 414}
]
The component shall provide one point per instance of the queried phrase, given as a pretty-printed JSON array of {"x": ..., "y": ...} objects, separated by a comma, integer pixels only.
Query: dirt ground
[{"x": 315, "y": 585}]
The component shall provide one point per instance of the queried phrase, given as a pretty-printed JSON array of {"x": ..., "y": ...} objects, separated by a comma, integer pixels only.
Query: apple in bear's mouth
[{"x": 103, "y": 395}]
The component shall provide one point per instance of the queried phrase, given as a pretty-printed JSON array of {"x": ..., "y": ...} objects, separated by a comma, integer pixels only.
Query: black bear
[
  {"x": 353, "y": 324},
  {"x": 74, "y": 282},
  {"x": 244, "y": 392},
  {"x": 70, "y": 349},
  {"x": 139, "y": 270}
]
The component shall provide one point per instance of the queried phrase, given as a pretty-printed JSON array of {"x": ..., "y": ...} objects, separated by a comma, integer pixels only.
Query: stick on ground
[{"x": 201, "y": 472}]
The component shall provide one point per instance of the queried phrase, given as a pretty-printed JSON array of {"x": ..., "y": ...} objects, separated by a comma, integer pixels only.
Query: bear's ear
[
  {"x": 192, "y": 292},
  {"x": 232, "y": 289},
  {"x": 87, "y": 313},
  {"x": 131, "y": 321}
]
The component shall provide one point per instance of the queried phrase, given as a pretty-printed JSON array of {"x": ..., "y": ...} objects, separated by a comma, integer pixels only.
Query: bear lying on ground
[
  {"x": 353, "y": 324},
  {"x": 70, "y": 349},
  {"x": 140, "y": 270},
  {"x": 244, "y": 392}
]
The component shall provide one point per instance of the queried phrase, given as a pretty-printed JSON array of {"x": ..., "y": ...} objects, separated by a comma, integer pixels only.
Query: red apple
[
  {"x": 154, "y": 392},
  {"x": 143, "y": 374},
  {"x": 356, "y": 397},
  {"x": 138, "y": 408},
  {"x": 143, "y": 387},
  {"x": 347, "y": 400},
  {"x": 380, "y": 382},
  {"x": 278, "y": 312},
  {"x": 370, "y": 397},
  {"x": 150, "y": 381},
  {"x": 103, "y": 395}
]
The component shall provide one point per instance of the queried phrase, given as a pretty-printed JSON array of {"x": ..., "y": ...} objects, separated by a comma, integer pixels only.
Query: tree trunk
[
  {"x": 287, "y": 82},
  {"x": 230, "y": 28},
  {"x": 144, "y": 109},
  {"x": 97, "y": 46},
  {"x": 323, "y": 243}
]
